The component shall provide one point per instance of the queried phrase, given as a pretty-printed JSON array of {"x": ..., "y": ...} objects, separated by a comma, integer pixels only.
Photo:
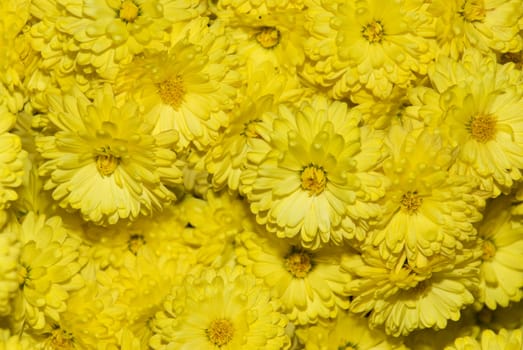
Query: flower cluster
[{"x": 259, "y": 174}]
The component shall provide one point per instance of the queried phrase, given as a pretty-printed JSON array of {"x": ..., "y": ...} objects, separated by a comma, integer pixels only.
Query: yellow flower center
[
  {"x": 135, "y": 242},
  {"x": 250, "y": 129},
  {"x": 172, "y": 91},
  {"x": 129, "y": 11},
  {"x": 514, "y": 57},
  {"x": 23, "y": 275},
  {"x": 220, "y": 332},
  {"x": 489, "y": 250},
  {"x": 106, "y": 164},
  {"x": 298, "y": 264},
  {"x": 411, "y": 202},
  {"x": 61, "y": 340},
  {"x": 348, "y": 346},
  {"x": 268, "y": 37},
  {"x": 313, "y": 179},
  {"x": 483, "y": 127},
  {"x": 373, "y": 32},
  {"x": 473, "y": 10}
]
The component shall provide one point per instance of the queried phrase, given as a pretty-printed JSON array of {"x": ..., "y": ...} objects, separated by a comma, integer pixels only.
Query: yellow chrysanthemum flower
[
  {"x": 402, "y": 297},
  {"x": 224, "y": 309},
  {"x": 483, "y": 24},
  {"x": 104, "y": 160},
  {"x": 503, "y": 340},
  {"x": 347, "y": 331},
  {"x": 99, "y": 35},
  {"x": 501, "y": 274},
  {"x": 419, "y": 219},
  {"x": 9, "y": 255},
  {"x": 48, "y": 269},
  {"x": 189, "y": 88},
  {"x": 379, "y": 45},
  {"x": 476, "y": 104},
  {"x": 312, "y": 173},
  {"x": 308, "y": 283}
]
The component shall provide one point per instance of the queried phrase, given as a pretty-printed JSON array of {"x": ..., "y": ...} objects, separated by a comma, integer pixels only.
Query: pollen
[
  {"x": 411, "y": 201},
  {"x": 268, "y": 37},
  {"x": 313, "y": 179},
  {"x": 135, "y": 242},
  {"x": 489, "y": 250},
  {"x": 220, "y": 332},
  {"x": 483, "y": 127},
  {"x": 60, "y": 339},
  {"x": 129, "y": 11},
  {"x": 298, "y": 263},
  {"x": 106, "y": 164},
  {"x": 172, "y": 91},
  {"x": 473, "y": 10},
  {"x": 373, "y": 32}
]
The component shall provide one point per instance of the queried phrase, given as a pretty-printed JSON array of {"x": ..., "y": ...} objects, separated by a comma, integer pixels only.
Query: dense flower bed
[{"x": 259, "y": 174}]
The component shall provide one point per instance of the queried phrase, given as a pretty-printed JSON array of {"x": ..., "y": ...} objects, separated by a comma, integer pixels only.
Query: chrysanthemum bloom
[
  {"x": 476, "y": 104},
  {"x": 47, "y": 271},
  {"x": 402, "y": 298},
  {"x": 503, "y": 340},
  {"x": 314, "y": 175},
  {"x": 483, "y": 24},
  {"x": 225, "y": 309},
  {"x": 377, "y": 45},
  {"x": 189, "y": 88},
  {"x": 347, "y": 331},
  {"x": 427, "y": 210},
  {"x": 212, "y": 226},
  {"x": 99, "y": 35},
  {"x": 104, "y": 160},
  {"x": 501, "y": 274},
  {"x": 309, "y": 284},
  {"x": 275, "y": 37},
  {"x": 9, "y": 254},
  {"x": 263, "y": 92}
]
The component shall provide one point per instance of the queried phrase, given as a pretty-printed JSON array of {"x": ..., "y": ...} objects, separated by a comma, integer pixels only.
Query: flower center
[
  {"x": 298, "y": 263},
  {"x": 250, "y": 129},
  {"x": 473, "y": 10},
  {"x": 129, "y": 11},
  {"x": 220, "y": 332},
  {"x": 411, "y": 202},
  {"x": 313, "y": 179},
  {"x": 135, "y": 242},
  {"x": 489, "y": 250},
  {"x": 373, "y": 32},
  {"x": 23, "y": 275},
  {"x": 268, "y": 37},
  {"x": 61, "y": 340},
  {"x": 172, "y": 91},
  {"x": 483, "y": 127},
  {"x": 106, "y": 164},
  {"x": 348, "y": 346},
  {"x": 514, "y": 57}
]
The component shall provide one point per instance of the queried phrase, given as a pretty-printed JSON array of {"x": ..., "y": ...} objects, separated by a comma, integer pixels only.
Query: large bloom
[
  {"x": 308, "y": 283},
  {"x": 103, "y": 158},
  {"x": 191, "y": 87},
  {"x": 378, "y": 45},
  {"x": 501, "y": 276},
  {"x": 48, "y": 270},
  {"x": 476, "y": 104},
  {"x": 419, "y": 218},
  {"x": 489, "y": 340},
  {"x": 483, "y": 24},
  {"x": 224, "y": 309},
  {"x": 402, "y": 297},
  {"x": 313, "y": 175}
]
